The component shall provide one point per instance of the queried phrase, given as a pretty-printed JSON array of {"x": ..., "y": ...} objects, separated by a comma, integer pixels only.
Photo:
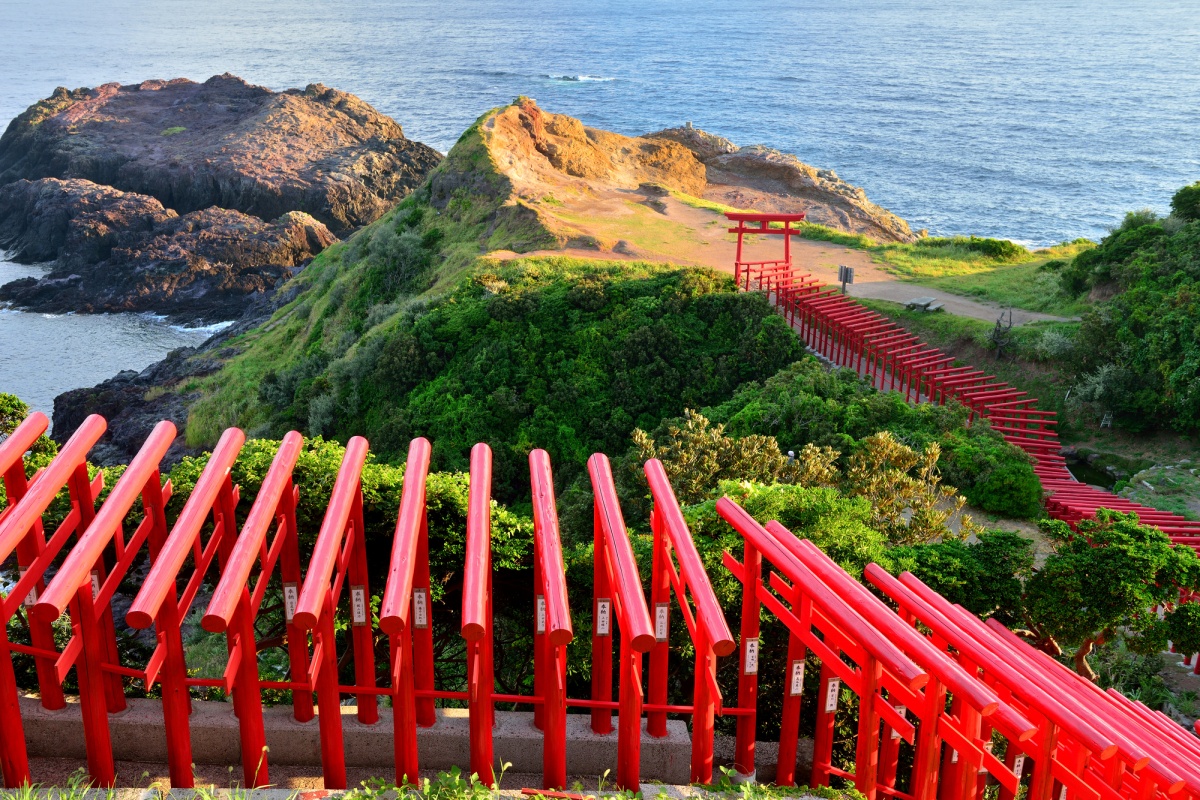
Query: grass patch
[
  {"x": 1025, "y": 286},
  {"x": 173, "y": 130},
  {"x": 710, "y": 205},
  {"x": 1029, "y": 364},
  {"x": 1167, "y": 488},
  {"x": 963, "y": 255},
  {"x": 989, "y": 269},
  {"x": 641, "y": 226}
]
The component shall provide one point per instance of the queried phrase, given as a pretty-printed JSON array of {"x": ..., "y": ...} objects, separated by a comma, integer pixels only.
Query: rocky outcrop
[
  {"x": 120, "y": 251},
  {"x": 531, "y": 145},
  {"x": 134, "y": 402},
  {"x": 41, "y": 220},
  {"x": 223, "y": 143},
  {"x": 764, "y": 179},
  {"x": 527, "y": 170},
  {"x": 121, "y": 400}
]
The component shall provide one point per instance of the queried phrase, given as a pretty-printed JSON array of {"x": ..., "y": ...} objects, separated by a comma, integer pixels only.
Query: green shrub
[
  {"x": 998, "y": 249},
  {"x": 1137, "y": 354},
  {"x": 13, "y": 411},
  {"x": 1186, "y": 202},
  {"x": 985, "y": 576},
  {"x": 991, "y": 473}
]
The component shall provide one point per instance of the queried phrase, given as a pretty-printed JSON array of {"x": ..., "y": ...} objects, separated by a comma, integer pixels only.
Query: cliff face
[
  {"x": 767, "y": 180},
  {"x": 119, "y": 251},
  {"x": 223, "y": 143}
]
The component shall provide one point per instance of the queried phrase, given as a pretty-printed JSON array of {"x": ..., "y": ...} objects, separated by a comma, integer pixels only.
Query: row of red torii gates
[
  {"x": 976, "y": 704},
  {"x": 852, "y": 336}
]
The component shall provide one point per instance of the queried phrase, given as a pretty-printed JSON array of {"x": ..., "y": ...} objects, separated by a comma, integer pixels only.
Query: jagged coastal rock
[
  {"x": 555, "y": 177},
  {"x": 767, "y": 180},
  {"x": 190, "y": 199},
  {"x": 121, "y": 251},
  {"x": 223, "y": 143}
]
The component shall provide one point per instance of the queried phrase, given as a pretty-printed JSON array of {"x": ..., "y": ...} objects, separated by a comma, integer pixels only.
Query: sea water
[
  {"x": 42, "y": 355},
  {"x": 1037, "y": 120}
]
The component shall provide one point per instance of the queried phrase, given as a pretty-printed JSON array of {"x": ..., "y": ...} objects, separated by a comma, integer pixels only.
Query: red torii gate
[
  {"x": 764, "y": 222},
  {"x": 903, "y": 666}
]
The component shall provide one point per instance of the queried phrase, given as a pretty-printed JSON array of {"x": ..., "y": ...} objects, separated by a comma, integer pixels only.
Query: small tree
[
  {"x": 1110, "y": 576},
  {"x": 13, "y": 411},
  {"x": 697, "y": 456},
  {"x": 909, "y": 502}
]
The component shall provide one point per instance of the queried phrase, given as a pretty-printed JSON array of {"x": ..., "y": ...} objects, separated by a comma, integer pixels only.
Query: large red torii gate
[{"x": 783, "y": 227}]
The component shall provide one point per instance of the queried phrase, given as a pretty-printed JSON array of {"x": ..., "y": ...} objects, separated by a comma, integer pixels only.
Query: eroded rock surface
[
  {"x": 764, "y": 179},
  {"x": 121, "y": 251},
  {"x": 537, "y": 147},
  {"x": 223, "y": 143}
]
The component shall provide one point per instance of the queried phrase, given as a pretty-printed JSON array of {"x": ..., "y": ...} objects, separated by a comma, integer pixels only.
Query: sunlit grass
[
  {"x": 1025, "y": 286},
  {"x": 949, "y": 257},
  {"x": 994, "y": 270}
]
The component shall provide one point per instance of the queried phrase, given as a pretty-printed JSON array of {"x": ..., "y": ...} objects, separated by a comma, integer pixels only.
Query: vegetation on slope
[
  {"x": 418, "y": 250},
  {"x": 564, "y": 355},
  {"x": 1139, "y": 349}
]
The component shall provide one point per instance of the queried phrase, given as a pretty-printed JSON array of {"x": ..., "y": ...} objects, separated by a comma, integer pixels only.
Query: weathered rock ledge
[
  {"x": 121, "y": 251},
  {"x": 223, "y": 143},
  {"x": 768, "y": 180}
]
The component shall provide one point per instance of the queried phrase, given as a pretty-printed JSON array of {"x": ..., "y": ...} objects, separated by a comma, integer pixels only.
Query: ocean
[
  {"x": 1035, "y": 121},
  {"x": 43, "y": 355}
]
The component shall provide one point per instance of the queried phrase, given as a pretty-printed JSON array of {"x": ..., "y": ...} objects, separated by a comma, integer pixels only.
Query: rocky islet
[{"x": 190, "y": 199}]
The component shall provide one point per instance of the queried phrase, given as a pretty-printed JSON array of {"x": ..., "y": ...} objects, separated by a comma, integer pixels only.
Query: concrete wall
[{"x": 138, "y": 735}]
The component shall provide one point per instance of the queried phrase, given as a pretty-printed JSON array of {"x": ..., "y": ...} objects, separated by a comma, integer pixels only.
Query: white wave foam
[
  {"x": 579, "y": 78},
  {"x": 216, "y": 327}
]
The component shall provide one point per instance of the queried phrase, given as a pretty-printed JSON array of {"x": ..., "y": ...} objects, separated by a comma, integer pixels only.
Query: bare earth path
[{"x": 642, "y": 227}]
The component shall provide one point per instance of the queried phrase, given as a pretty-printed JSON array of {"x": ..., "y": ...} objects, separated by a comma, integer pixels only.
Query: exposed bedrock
[
  {"x": 120, "y": 251},
  {"x": 223, "y": 143}
]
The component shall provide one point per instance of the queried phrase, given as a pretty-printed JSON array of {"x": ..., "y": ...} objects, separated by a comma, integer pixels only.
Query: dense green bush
[
  {"x": 991, "y": 473},
  {"x": 805, "y": 403},
  {"x": 13, "y": 411},
  {"x": 564, "y": 355},
  {"x": 1138, "y": 352},
  {"x": 999, "y": 249},
  {"x": 1186, "y": 202},
  {"x": 985, "y": 576}
]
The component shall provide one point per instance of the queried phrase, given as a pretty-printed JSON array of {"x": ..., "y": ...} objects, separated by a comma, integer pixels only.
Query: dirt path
[{"x": 644, "y": 227}]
